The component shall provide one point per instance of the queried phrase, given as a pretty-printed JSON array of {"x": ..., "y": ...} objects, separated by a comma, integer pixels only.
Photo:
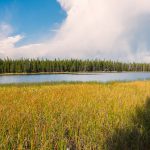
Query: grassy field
[{"x": 77, "y": 116}]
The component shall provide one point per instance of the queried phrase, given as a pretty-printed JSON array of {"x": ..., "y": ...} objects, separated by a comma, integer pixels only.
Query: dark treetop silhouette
[{"x": 67, "y": 65}]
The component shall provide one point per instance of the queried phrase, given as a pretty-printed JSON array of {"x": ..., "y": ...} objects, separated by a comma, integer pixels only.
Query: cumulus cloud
[
  {"x": 7, "y": 42},
  {"x": 110, "y": 29}
]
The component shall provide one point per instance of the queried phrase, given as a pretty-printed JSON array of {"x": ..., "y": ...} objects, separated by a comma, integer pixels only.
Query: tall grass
[{"x": 74, "y": 116}]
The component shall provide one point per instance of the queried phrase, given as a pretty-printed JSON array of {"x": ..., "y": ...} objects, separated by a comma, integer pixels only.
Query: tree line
[{"x": 68, "y": 65}]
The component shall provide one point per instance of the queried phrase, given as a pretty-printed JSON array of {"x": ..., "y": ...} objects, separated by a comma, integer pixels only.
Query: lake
[{"x": 99, "y": 77}]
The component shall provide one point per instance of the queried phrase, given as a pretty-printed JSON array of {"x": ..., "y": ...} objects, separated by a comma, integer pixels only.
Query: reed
[{"x": 75, "y": 116}]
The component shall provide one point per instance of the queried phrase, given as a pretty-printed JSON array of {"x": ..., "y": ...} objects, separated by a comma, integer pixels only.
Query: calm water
[{"x": 100, "y": 77}]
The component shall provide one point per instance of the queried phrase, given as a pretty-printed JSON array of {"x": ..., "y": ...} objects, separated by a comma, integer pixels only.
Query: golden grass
[{"x": 76, "y": 116}]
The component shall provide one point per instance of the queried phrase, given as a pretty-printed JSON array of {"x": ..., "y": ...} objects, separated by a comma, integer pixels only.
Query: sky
[
  {"x": 31, "y": 18},
  {"x": 85, "y": 29}
]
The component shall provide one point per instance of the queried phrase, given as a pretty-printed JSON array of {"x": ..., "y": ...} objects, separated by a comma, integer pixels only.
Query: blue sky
[
  {"x": 93, "y": 29},
  {"x": 32, "y": 18}
]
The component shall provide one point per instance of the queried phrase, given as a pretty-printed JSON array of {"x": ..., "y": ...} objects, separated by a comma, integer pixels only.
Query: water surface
[{"x": 99, "y": 77}]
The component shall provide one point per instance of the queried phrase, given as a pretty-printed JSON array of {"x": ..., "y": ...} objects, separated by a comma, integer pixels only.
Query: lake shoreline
[
  {"x": 72, "y": 73},
  {"x": 55, "y": 73},
  {"x": 21, "y": 84}
]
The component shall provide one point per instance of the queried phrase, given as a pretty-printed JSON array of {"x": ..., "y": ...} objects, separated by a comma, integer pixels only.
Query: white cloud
[
  {"x": 92, "y": 29},
  {"x": 7, "y": 42}
]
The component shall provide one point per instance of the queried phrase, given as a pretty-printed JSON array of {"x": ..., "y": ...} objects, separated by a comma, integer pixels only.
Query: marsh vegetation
[{"x": 75, "y": 115}]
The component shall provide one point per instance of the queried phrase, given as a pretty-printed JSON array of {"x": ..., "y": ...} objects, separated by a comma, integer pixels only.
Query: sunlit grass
[{"x": 60, "y": 116}]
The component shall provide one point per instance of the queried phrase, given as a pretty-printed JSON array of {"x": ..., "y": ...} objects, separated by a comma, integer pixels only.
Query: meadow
[{"x": 77, "y": 116}]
